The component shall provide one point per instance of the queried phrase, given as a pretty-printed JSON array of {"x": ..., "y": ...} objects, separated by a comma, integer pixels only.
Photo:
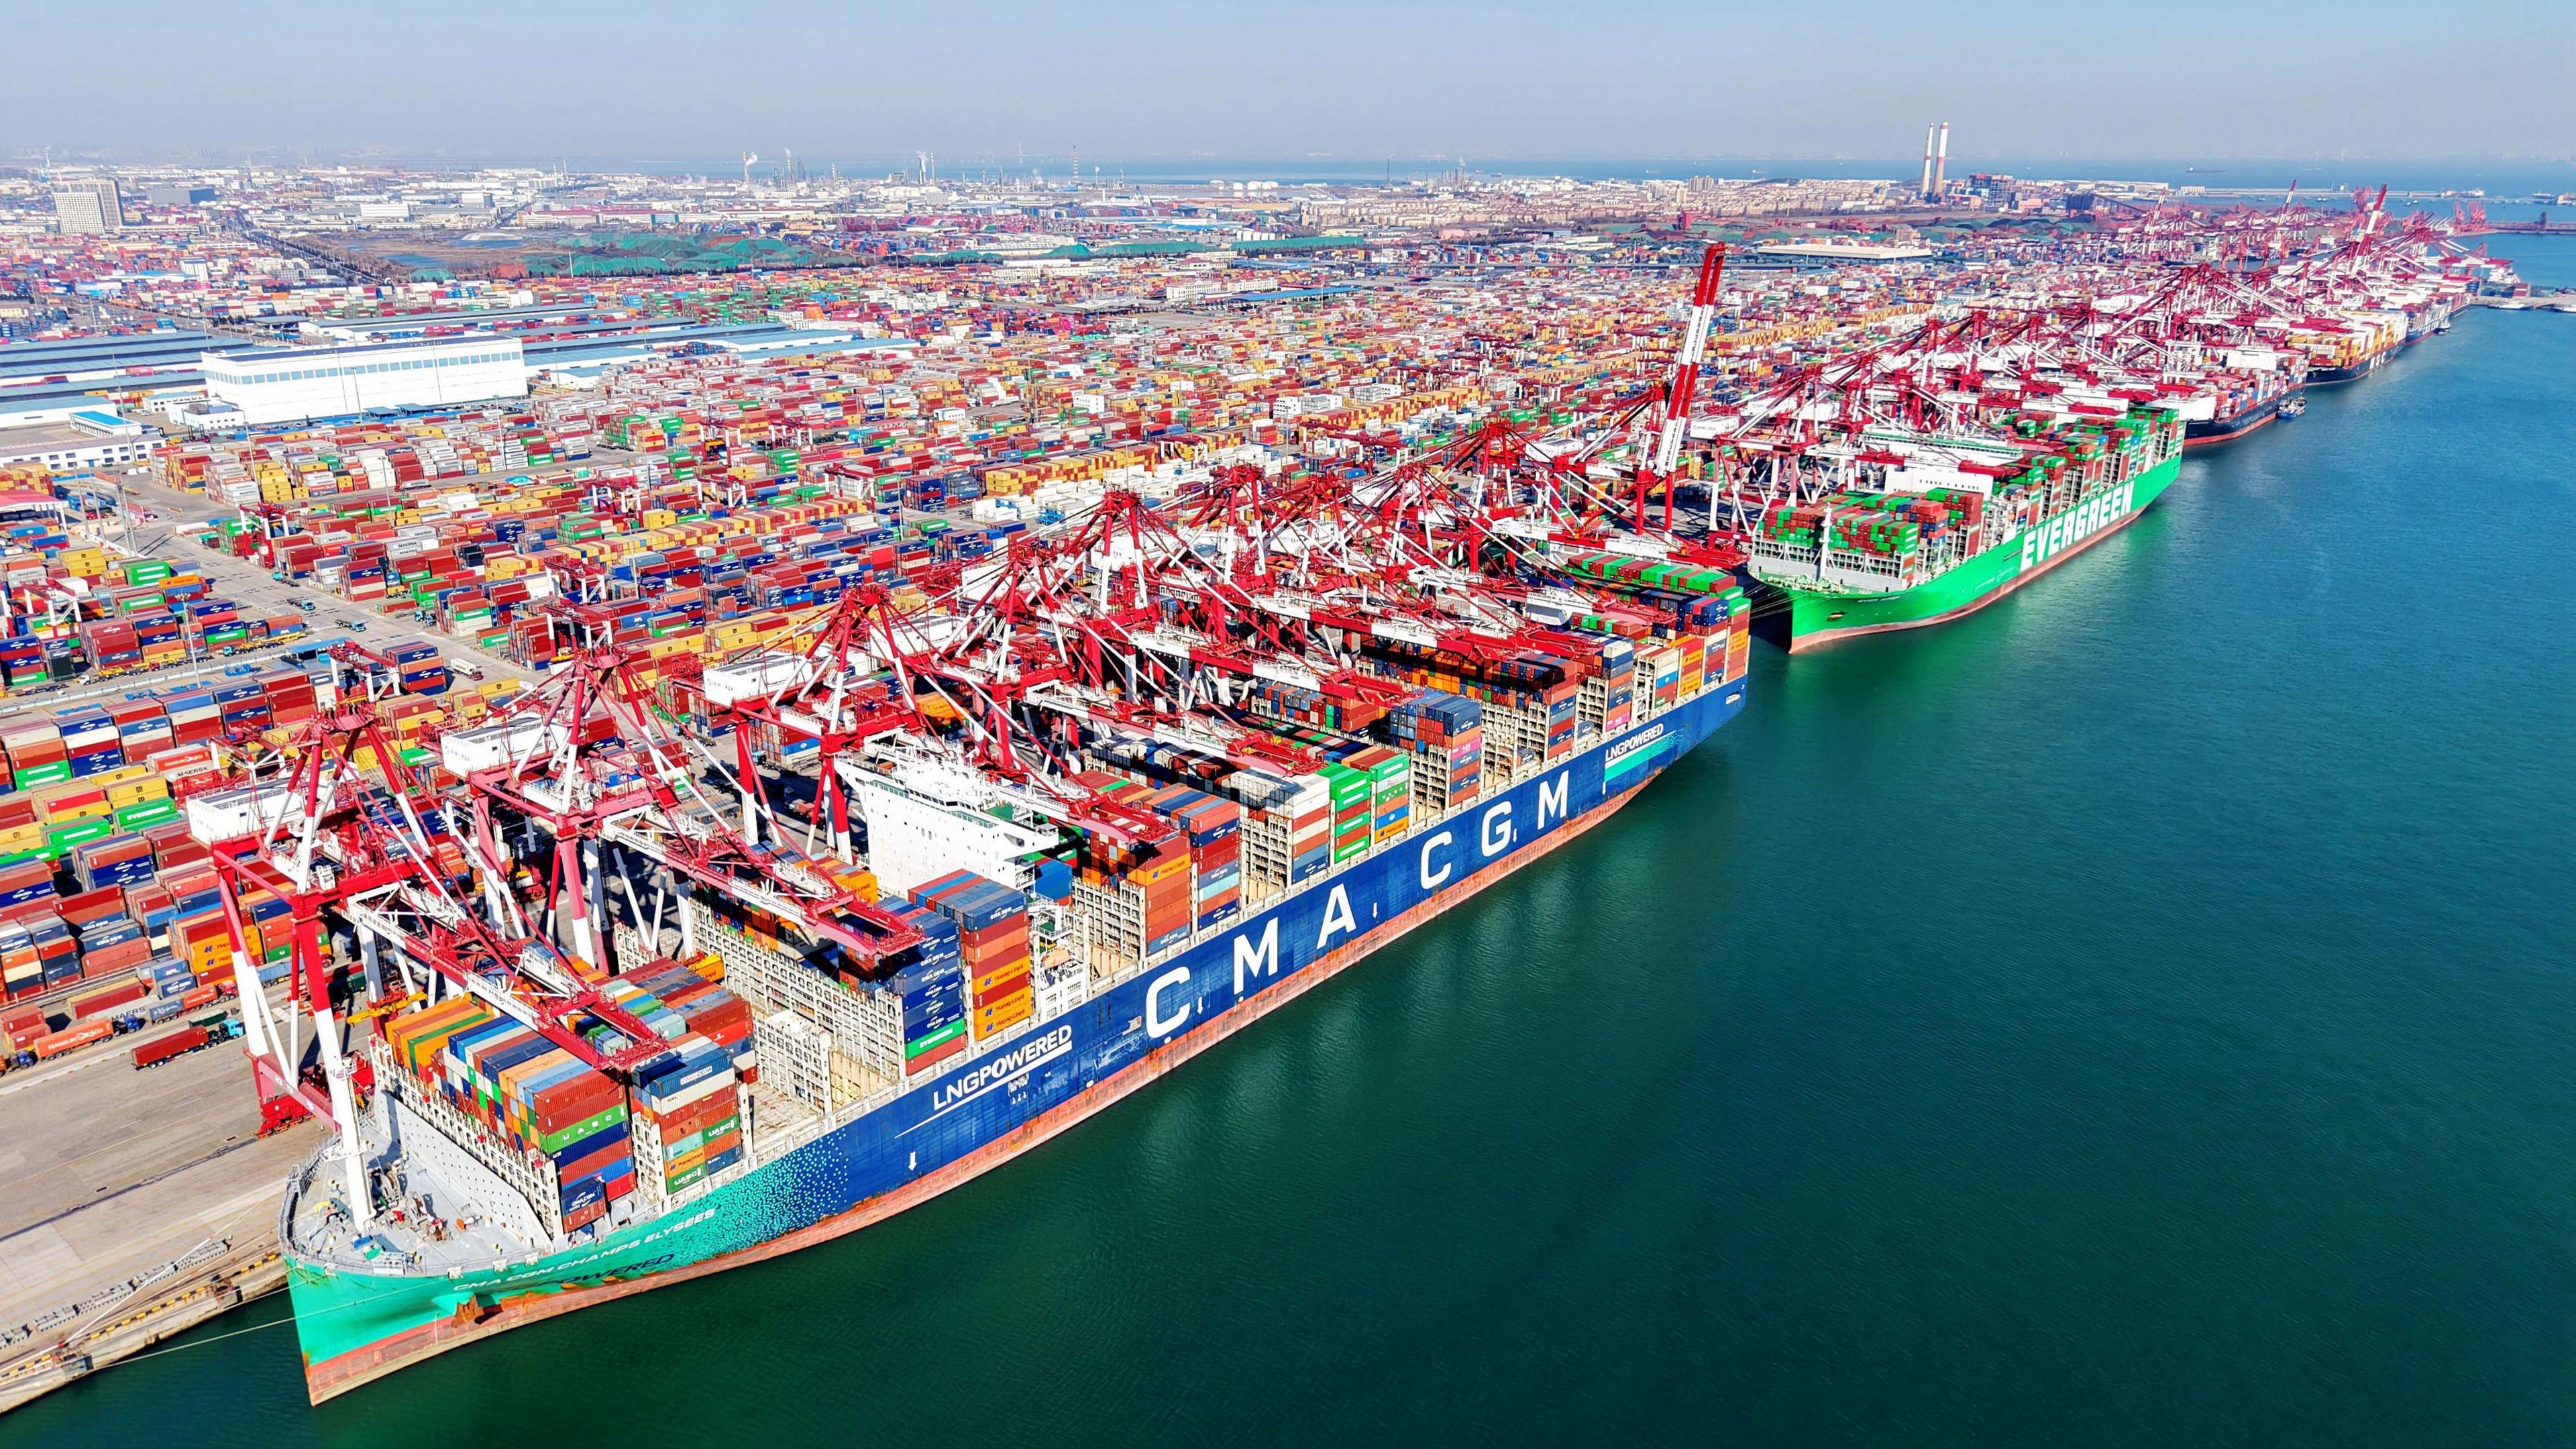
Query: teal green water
[{"x": 2136, "y": 1015}]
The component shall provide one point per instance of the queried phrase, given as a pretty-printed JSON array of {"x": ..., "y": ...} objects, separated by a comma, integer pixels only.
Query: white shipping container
[
  {"x": 491, "y": 746},
  {"x": 220, "y": 815}
]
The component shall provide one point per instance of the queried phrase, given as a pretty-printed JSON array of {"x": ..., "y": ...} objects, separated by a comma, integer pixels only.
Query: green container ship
[{"x": 1936, "y": 527}]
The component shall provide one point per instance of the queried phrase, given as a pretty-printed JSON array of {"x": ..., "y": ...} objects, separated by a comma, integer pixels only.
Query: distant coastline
[{"x": 2501, "y": 180}]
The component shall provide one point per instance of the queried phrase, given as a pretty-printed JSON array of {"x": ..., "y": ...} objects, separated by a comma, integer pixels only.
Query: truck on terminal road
[{"x": 178, "y": 1043}]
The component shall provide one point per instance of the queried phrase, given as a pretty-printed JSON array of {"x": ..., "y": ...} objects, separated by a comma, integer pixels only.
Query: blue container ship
[{"x": 794, "y": 1140}]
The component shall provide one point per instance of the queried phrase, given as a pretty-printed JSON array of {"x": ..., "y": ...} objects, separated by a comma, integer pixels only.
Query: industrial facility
[
  {"x": 657, "y": 769},
  {"x": 292, "y": 385}
]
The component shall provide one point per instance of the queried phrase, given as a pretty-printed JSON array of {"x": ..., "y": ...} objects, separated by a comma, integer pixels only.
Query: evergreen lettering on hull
[{"x": 2085, "y": 519}]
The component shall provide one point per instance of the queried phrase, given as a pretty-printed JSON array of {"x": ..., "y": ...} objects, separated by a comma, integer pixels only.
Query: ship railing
[
  {"x": 766, "y": 1146},
  {"x": 1586, "y": 734},
  {"x": 299, "y": 1181},
  {"x": 539, "y": 1187}
]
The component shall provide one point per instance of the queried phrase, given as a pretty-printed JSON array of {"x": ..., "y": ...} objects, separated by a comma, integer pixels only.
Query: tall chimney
[
  {"x": 1941, "y": 160},
  {"x": 1926, "y": 188}
]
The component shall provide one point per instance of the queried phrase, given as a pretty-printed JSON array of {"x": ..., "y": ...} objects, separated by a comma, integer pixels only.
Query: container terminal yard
[{"x": 567, "y": 733}]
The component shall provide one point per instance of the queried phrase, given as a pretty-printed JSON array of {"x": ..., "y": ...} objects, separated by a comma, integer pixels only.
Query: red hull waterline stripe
[{"x": 332, "y": 1377}]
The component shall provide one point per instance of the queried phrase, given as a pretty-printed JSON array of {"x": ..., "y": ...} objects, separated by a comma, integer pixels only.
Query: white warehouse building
[{"x": 280, "y": 385}]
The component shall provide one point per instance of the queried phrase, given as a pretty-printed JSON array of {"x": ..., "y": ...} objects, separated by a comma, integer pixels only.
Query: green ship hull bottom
[
  {"x": 1820, "y": 616},
  {"x": 357, "y": 1324}
]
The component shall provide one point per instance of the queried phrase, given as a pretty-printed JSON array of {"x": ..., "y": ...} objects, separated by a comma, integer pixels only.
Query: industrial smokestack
[
  {"x": 1926, "y": 188},
  {"x": 1941, "y": 160}
]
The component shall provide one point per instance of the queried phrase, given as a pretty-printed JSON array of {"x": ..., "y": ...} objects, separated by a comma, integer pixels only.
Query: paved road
[{"x": 106, "y": 1171}]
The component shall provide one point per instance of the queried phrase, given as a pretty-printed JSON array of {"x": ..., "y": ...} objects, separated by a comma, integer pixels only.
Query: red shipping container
[
  {"x": 581, "y": 1098},
  {"x": 582, "y": 1167},
  {"x": 936, "y": 1055},
  {"x": 73, "y": 1036},
  {"x": 123, "y": 956},
  {"x": 1008, "y": 947},
  {"x": 1002, "y": 987},
  {"x": 107, "y": 998}
]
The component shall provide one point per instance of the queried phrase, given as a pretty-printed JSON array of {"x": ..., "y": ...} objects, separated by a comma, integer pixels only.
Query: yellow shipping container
[
  {"x": 995, "y": 1022},
  {"x": 136, "y": 792}
]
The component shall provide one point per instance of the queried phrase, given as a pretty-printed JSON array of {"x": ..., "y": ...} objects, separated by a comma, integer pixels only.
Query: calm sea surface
[{"x": 2139, "y": 1014}]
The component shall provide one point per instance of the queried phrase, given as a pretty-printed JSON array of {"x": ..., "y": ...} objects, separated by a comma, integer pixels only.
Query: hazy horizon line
[{"x": 388, "y": 152}]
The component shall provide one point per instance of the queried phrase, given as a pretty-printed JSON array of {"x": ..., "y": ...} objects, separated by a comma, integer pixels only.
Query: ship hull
[
  {"x": 1818, "y": 616},
  {"x": 2323, "y": 376},
  {"x": 2227, "y": 430},
  {"x": 356, "y": 1327}
]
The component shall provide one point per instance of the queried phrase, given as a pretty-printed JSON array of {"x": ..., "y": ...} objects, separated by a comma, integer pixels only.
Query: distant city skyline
[{"x": 1618, "y": 78}]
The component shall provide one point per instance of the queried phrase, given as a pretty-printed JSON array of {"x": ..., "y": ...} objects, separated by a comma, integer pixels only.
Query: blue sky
[{"x": 647, "y": 79}]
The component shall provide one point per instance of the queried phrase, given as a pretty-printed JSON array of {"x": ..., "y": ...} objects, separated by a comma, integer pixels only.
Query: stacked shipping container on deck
[
  {"x": 992, "y": 924},
  {"x": 1354, "y": 820},
  {"x": 1164, "y": 880},
  {"x": 1212, "y": 827},
  {"x": 535, "y": 1096},
  {"x": 680, "y": 1123},
  {"x": 689, "y": 1111},
  {"x": 929, "y": 989},
  {"x": 1445, "y": 734}
]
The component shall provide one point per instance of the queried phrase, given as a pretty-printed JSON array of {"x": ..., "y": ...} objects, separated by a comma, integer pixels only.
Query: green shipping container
[
  {"x": 52, "y": 774},
  {"x": 564, "y": 1137},
  {"x": 79, "y": 832},
  {"x": 148, "y": 813}
]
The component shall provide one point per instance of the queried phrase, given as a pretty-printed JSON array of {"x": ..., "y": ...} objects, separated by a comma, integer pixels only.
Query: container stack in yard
[
  {"x": 1120, "y": 644},
  {"x": 73, "y": 613}
]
